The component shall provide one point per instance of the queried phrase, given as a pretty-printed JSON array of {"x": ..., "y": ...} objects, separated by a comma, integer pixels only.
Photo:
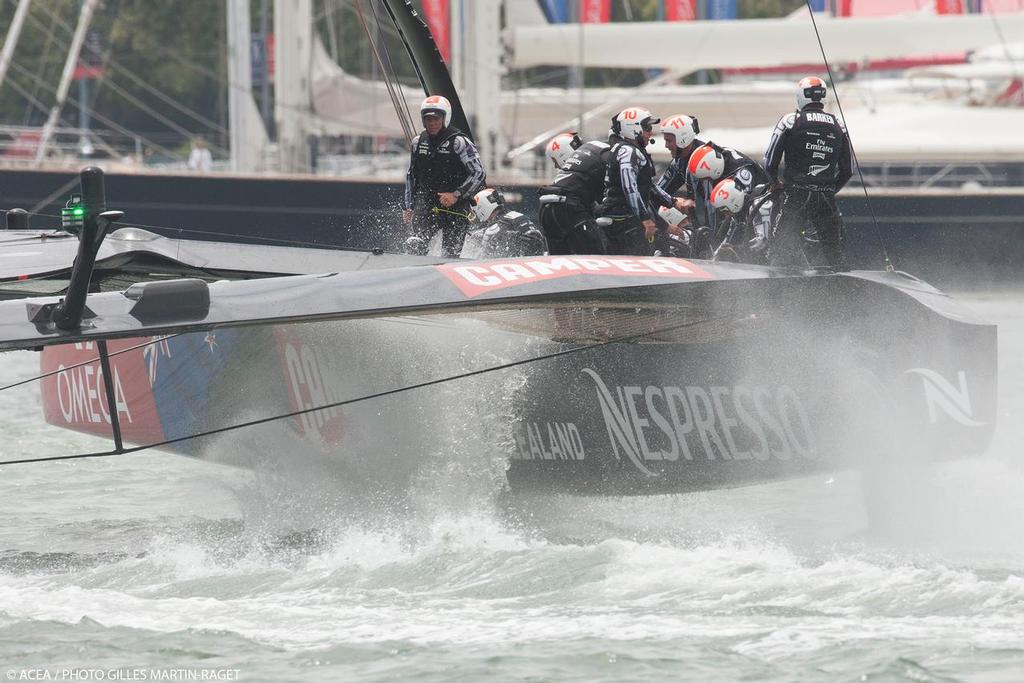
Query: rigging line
[
  {"x": 113, "y": 125},
  {"x": 835, "y": 89},
  {"x": 155, "y": 46},
  {"x": 91, "y": 360},
  {"x": 55, "y": 195},
  {"x": 1002, "y": 40},
  {"x": 44, "y": 59},
  {"x": 155, "y": 114},
  {"x": 32, "y": 101},
  {"x": 370, "y": 397},
  {"x": 392, "y": 32},
  {"x": 166, "y": 99},
  {"x": 394, "y": 72},
  {"x": 109, "y": 61},
  {"x": 196, "y": 231},
  {"x": 406, "y": 127}
]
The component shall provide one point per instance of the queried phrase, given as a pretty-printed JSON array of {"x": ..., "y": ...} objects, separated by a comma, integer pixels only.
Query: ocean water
[{"x": 155, "y": 567}]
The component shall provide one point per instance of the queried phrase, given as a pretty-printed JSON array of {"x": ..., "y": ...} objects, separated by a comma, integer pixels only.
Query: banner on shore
[{"x": 680, "y": 10}]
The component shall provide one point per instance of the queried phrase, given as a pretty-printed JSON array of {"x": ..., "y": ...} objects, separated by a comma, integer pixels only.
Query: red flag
[
  {"x": 436, "y": 12},
  {"x": 680, "y": 10},
  {"x": 949, "y": 6},
  {"x": 595, "y": 11},
  {"x": 844, "y": 8}
]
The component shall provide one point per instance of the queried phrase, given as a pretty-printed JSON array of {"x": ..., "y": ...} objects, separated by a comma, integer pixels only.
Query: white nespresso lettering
[{"x": 651, "y": 424}]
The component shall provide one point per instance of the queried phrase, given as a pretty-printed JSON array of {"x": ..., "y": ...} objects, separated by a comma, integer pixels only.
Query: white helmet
[
  {"x": 439, "y": 105},
  {"x": 706, "y": 162},
  {"x": 810, "y": 89},
  {"x": 485, "y": 202},
  {"x": 727, "y": 195},
  {"x": 561, "y": 147},
  {"x": 684, "y": 127},
  {"x": 672, "y": 215},
  {"x": 632, "y": 122}
]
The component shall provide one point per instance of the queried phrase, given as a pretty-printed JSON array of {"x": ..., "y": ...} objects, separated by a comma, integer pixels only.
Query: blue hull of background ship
[{"x": 950, "y": 240}]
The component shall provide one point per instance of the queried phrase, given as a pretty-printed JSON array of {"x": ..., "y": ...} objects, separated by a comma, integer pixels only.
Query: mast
[
  {"x": 476, "y": 62},
  {"x": 13, "y": 35},
  {"x": 84, "y": 19},
  {"x": 293, "y": 30},
  {"x": 244, "y": 149}
]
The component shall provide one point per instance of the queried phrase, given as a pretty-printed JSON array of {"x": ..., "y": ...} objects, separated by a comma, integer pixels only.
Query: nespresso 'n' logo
[{"x": 940, "y": 394}]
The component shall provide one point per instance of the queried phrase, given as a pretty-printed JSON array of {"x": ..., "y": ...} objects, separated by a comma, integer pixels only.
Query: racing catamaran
[{"x": 600, "y": 375}]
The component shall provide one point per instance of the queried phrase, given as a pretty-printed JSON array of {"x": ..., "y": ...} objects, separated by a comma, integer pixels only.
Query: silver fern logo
[{"x": 940, "y": 394}]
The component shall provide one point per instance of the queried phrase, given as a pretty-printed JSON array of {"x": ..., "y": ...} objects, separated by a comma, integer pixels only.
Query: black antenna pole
[{"x": 96, "y": 221}]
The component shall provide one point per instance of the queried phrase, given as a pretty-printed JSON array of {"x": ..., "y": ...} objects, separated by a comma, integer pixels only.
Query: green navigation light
[{"x": 72, "y": 216}]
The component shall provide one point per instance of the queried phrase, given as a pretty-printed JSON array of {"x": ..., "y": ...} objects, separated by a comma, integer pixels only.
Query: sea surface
[{"x": 152, "y": 566}]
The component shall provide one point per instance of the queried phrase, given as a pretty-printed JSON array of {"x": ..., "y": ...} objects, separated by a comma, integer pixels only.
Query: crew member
[
  {"x": 567, "y": 204},
  {"x": 679, "y": 132},
  {"x": 629, "y": 188},
  {"x": 444, "y": 173},
  {"x": 818, "y": 163},
  {"x": 503, "y": 233},
  {"x": 708, "y": 165},
  {"x": 677, "y": 240},
  {"x": 747, "y": 224}
]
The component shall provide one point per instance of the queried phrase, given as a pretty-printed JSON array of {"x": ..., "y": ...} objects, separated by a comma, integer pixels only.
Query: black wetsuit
[
  {"x": 673, "y": 178},
  {"x": 569, "y": 222},
  {"x": 512, "y": 234},
  {"x": 747, "y": 174},
  {"x": 629, "y": 191},
  {"x": 446, "y": 162},
  {"x": 818, "y": 163}
]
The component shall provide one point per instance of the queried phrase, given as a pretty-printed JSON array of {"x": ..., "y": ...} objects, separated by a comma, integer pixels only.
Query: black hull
[{"x": 654, "y": 389}]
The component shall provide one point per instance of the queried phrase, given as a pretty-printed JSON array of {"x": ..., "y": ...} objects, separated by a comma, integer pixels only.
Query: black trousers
[
  {"x": 570, "y": 229},
  {"x": 808, "y": 230},
  {"x": 626, "y": 237},
  {"x": 451, "y": 221}
]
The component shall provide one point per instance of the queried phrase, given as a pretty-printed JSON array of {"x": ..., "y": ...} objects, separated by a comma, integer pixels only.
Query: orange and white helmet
[
  {"x": 684, "y": 127},
  {"x": 485, "y": 202},
  {"x": 632, "y": 122},
  {"x": 561, "y": 147},
  {"x": 810, "y": 89},
  {"x": 706, "y": 162},
  {"x": 672, "y": 215},
  {"x": 727, "y": 195},
  {"x": 438, "y": 105}
]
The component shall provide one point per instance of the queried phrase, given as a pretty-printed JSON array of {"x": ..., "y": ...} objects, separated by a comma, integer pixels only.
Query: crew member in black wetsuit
[
  {"x": 709, "y": 165},
  {"x": 630, "y": 195},
  {"x": 444, "y": 173},
  {"x": 747, "y": 221},
  {"x": 503, "y": 232},
  {"x": 679, "y": 132},
  {"x": 818, "y": 163},
  {"x": 567, "y": 204}
]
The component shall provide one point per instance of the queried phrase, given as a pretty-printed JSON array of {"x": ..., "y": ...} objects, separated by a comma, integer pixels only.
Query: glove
[{"x": 757, "y": 245}]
